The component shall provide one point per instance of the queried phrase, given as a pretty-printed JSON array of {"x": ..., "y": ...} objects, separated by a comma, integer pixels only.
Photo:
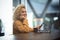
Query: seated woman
[{"x": 20, "y": 23}]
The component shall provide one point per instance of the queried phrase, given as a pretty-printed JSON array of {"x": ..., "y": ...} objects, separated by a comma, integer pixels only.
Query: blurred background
[{"x": 46, "y": 12}]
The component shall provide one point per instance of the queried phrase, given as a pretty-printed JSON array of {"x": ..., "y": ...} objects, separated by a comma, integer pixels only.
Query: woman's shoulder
[{"x": 17, "y": 22}]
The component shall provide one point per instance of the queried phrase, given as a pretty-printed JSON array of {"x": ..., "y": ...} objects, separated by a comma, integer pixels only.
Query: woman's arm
[{"x": 25, "y": 23}]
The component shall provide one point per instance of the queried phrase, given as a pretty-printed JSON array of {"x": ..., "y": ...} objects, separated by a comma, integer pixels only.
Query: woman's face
[{"x": 23, "y": 14}]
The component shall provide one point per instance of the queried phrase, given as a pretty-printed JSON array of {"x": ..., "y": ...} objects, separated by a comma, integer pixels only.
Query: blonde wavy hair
[{"x": 17, "y": 11}]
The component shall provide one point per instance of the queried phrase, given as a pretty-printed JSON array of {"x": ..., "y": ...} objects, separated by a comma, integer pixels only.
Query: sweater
[{"x": 19, "y": 26}]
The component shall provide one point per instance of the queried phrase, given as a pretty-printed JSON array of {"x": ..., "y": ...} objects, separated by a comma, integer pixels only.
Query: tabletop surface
[{"x": 29, "y": 36}]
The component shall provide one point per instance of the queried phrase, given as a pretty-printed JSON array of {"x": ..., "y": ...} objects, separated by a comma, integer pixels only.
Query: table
[{"x": 28, "y": 36}]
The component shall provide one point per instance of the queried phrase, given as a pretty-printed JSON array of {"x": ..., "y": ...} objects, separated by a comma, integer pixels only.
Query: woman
[{"x": 20, "y": 23}]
